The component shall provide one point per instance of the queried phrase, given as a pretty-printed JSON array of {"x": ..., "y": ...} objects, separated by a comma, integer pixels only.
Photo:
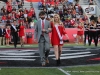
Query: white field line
[{"x": 64, "y": 71}]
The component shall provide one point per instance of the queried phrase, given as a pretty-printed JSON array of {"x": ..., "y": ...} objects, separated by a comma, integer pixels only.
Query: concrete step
[
  {"x": 83, "y": 2},
  {"x": 35, "y": 5}
]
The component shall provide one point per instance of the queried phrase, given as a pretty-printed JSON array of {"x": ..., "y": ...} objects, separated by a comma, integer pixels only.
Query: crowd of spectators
[
  {"x": 14, "y": 11},
  {"x": 70, "y": 12}
]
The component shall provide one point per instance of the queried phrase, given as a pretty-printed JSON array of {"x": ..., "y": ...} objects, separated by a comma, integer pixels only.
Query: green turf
[
  {"x": 36, "y": 45},
  {"x": 30, "y": 71},
  {"x": 86, "y": 70}
]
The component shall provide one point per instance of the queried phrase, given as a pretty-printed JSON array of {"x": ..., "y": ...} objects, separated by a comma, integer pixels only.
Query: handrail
[{"x": 97, "y": 3}]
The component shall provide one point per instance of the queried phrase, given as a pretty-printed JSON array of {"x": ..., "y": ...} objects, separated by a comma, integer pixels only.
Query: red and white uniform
[{"x": 80, "y": 31}]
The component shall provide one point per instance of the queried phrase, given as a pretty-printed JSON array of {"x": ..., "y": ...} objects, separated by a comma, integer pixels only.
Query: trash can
[{"x": 29, "y": 38}]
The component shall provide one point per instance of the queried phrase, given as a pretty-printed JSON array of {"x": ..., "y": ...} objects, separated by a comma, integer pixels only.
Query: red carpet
[{"x": 32, "y": 0}]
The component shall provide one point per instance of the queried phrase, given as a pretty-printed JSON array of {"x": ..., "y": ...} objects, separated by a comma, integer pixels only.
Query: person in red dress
[
  {"x": 80, "y": 33},
  {"x": 21, "y": 33},
  {"x": 58, "y": 31},
  {"x": 7, "y": 35}
]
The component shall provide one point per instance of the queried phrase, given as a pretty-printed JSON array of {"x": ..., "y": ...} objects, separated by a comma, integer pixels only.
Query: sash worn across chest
[{"x": 60, "y": 37}]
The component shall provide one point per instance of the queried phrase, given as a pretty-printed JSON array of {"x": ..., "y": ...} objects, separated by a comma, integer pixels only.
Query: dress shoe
[
  {"x": 43, "y": 64},
  {"x": 47, "y": 61}
]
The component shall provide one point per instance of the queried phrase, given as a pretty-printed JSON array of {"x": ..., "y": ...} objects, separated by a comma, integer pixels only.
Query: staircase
[
  {"x": 35, "y": 5},
  {"x": 1, "y": 5},
  {"x": 27, "y": 5},
  {"x": 97, "y": 2},
  {"x": 83, "y": 2}
]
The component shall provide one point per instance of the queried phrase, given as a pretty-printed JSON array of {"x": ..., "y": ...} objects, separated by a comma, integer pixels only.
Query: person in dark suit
[
  {"x": 2, "y": 35},
  {"x": 14, "y": 33}
]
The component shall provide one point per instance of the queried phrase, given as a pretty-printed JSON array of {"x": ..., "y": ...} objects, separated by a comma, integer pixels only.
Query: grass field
[
  {"x": 35, "y": 45},
  {"x": 84, "y": 70},
  {"x": 30, "y": 71}
]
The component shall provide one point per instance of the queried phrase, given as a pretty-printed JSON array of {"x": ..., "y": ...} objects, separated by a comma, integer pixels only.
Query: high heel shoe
[
  {"x": 57, "y": 62},
  {"x": 21, "y": 45}
]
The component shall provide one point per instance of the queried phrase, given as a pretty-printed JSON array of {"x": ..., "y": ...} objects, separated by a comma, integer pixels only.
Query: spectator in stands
[
  {"x": 9, "y": 8},
  {"x": 3, "y": 11},
  {"x": 17, "y": 15},
  {"x": 32, "y": 12},
  {"x": 56, "y": 9},
  {"x": 8, "y": 23},
  {"x": 14, "y": 9},
  {"x": 9, "y": 18},
  {"x": 25, "y": 15},
  {"x": 4, "y": 19},
  {"x": 39, "y": 4},
  {"x": 92, "y": 17},
  {"x": 13, "y": 16},
  {"x": 77, "y": 1},
  {"x": 20, "y": 5},
  {"x": 32, "y": 24},
  {"x": 25, "y": 10},
  {"x": 90, "y": 2},
  {"x": 2, "y": 35}
]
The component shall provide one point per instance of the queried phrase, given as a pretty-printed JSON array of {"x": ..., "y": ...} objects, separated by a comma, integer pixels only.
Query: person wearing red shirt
[
  {"x": 4, "y": 18},
  {"x": 30, "y": 15},
  {"x": 43, "y": 2},
  {"x": 7, "y": 35},
  {"x": 21, "y": 33},
  {"x": 25, "y": 10},
  {"x": 32, "y": 12},
  {"x": 9, "y": 17},
  {"x": 52, "y": 3},
  {"x": 9, "y": 8},
  {"x": 72, "y": 22},
  {"x": 17, "y": 16},
  {"x": 58, "y": 31}
]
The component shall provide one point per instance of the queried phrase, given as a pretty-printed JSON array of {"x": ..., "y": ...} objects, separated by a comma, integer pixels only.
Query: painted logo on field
[{"x": 69, "y": 56}]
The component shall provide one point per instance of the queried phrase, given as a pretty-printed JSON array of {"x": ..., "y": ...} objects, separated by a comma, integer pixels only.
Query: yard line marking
[
  {"x": 64, "y": 71},
  {"x": 78, "y": 56},
  {"x": 16, "y": 53},
  {"x": 21, "y": 59},
  {"x": 18, "y": 56},
  {"x": 78, "y": 53}
]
